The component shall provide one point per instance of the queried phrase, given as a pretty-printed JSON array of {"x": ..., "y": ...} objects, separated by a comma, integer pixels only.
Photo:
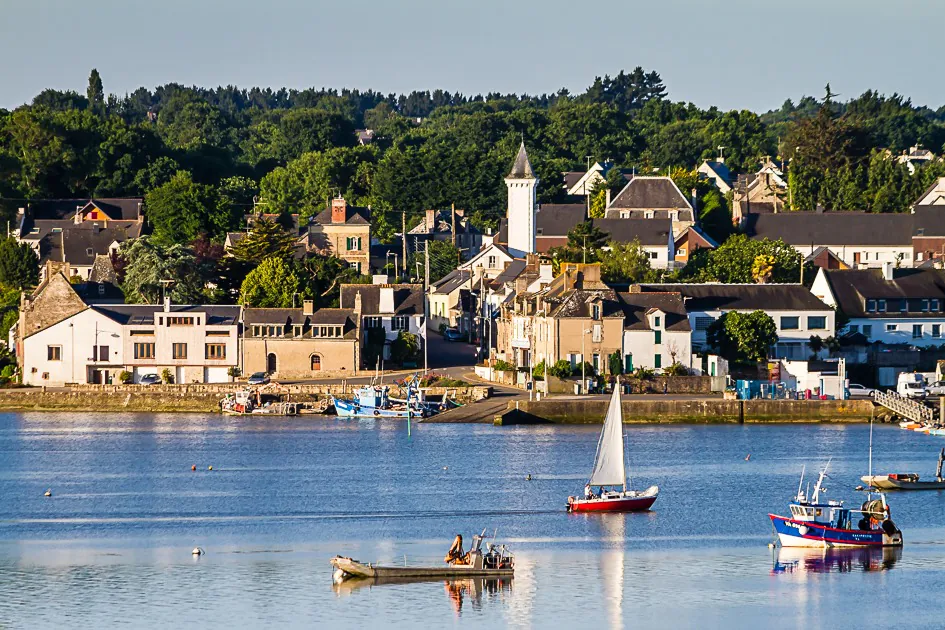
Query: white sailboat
[{"x": 610, "y": 471}]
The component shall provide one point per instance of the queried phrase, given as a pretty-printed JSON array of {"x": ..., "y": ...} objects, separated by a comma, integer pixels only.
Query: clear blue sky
[{"x": 733, "y": 54}]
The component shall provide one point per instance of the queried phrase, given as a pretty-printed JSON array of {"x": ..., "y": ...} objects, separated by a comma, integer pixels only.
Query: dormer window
[
  {"x": 881, "y": 306},
  {"x": 925, "y": 306},
  {"x": 656, "y": 322},
  {"x": 934, "y": 306},
  {"x": 595, "y": 311},
  {"x": 904, "y": 306},
  {"x": 89, "y": 251},
  {"x": 870, "y": 306},
  {"x": 647, "y": 214}
]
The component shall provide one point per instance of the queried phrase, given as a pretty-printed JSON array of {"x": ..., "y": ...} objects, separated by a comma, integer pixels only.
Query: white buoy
[
  {"x": 48, "y": 493},
  {"x": 198, "y": 551}
]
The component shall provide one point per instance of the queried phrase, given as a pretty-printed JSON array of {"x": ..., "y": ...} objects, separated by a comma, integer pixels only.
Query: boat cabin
[{"x": 832, "y": 513}]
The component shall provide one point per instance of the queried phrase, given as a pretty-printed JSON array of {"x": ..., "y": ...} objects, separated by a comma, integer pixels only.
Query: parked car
[
  {"x": 911, "y": 385},
  {"x": 258, "y": 378},
  {"x": 936, "y": 389},
  {"x": 451, "y": 334},
  {"x": 150, "y": 379},
  {"x": 859, "y": 391}
]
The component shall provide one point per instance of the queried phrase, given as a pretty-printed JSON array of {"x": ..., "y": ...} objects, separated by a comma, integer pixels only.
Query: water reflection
[
  {"x": 833, "y": 560},
  {"x": 468, "y": 593},
  {"x": 613, "y": 528}
]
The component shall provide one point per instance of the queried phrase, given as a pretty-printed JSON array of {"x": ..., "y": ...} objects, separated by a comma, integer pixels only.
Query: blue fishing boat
[
  {"x": 826, "y": 523},
  {"x": 373, "y": 401}
]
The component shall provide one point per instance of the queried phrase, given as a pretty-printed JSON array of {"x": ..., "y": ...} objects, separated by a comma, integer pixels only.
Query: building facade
[
  {"x": 345, "y": 232},
  {"x": 392, "y": 308}
]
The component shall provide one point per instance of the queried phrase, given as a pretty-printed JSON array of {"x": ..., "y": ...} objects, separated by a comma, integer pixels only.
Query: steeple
[{"x": 522, "y": 169}]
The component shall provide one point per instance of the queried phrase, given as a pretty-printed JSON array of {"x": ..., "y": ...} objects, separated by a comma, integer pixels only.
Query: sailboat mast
[
  {"x": 871, "y": 451},
  {"x": 623, "y": 436}
]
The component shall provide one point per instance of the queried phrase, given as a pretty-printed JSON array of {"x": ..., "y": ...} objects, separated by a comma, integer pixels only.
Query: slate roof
[
  {"x": 355, "y": 216},
  {"x": 522, "y": 168},
  {"x": 451, "y": 281},
  {"x": 59, "y": 209},
  {"x": 832, "y": 228},
  {"x": 928, "y": 221},
  {"x": 637, "y": 305},
  {"x": 143, "y": 314},
  {"x": 720, "y": 169},
  {"x": 511, "y": 272},
  {"x": 408, "y": 298},
  {"x": 651, "y": 192},
  {"x": 80, "y": 244},
  {"x": 577, "y": 303},
  {"x": 652, "y": 232},
  {"x": 557, "y": 219},
  {"x": 571, "y": 178},
  {"x": 852, "y": 287},
  {"x": 742, "y": 297}
]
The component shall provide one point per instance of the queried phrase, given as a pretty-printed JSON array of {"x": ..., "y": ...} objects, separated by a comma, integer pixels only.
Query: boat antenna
[
  {"x": 623, "y": 436},
  {"x": 869, "y": 493},
  {"x": 800, "y": 485}
]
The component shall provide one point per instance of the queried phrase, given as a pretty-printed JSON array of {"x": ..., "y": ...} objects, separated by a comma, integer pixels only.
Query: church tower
[{"x": 522, "y": 185}]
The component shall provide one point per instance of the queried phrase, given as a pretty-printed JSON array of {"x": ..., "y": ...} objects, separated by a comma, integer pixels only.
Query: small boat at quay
[
  {"x": 826, "y": 523},
  {"x": 373, "y": 401},
  {"x": 494, "y": 562},
  {"x": 610, "y": 471},
  {"x": 907, "y": 481}
]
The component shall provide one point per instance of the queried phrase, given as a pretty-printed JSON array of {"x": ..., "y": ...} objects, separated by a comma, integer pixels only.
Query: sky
[{"x": 736, "y": 54}]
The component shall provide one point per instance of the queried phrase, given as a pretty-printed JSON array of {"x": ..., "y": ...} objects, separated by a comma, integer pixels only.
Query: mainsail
[{"x": 609, "y": 465}]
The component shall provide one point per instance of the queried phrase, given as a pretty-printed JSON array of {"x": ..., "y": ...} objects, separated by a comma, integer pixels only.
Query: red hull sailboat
[{"x": 610, "y": 472}]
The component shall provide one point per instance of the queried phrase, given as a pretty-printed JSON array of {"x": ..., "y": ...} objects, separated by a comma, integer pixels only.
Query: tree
[
  {"x": 19, "y": 265},
  {"x": 234, "y": 199},
  {"x": 615, "y": 364},
  {"x": 265, "y": 239},
  {"x": 585, "y": 241},
  {"x": 444, "y": 258},
  {"x": 152, "y": 271},
  {"x": 734, "y": 262},
  {"x": 180, "y": 209},
  {"x": 405, "y": 348},
  {"x": 816, "y": 344},
  {"x": 273, "y": 284},
  {"x": 560, "y": 369},
  {"x": 762, "y": 268},
  {"x": 96, "y": 93},
  {"x": 743, "y": 336},
  {"x": 625, "y": 263}
]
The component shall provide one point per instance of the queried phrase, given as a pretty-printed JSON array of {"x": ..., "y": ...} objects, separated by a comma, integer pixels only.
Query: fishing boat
[
  {"x": 494, "y": 562},
  {"x": 610, "y": 471},
  {"x": 826, "y": 523},
  {"x": 373, "y": 401},
  {"x": 907, "y": 481}
]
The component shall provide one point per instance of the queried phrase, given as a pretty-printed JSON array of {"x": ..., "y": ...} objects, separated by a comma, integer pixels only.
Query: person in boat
[
  {"x": 456, "y": 555},
  {"x": 588, "y": 493}
]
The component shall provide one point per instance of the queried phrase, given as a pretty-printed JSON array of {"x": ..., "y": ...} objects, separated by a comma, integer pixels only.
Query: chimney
[
  {"x": 387, "y": 299},
  {"x": 77, "y": 219},
  {"x": 695, "y": 205},
  {"x": 430, "y": 220},
  {"x": 888, "y": 268},
  {"x": 339, "y": 210},
  {"x": 167, "y": 304},
  {"x": 357, "y": 304},
  {"x": 607, "y": 205},
  {"x": 308, "y": 307}
]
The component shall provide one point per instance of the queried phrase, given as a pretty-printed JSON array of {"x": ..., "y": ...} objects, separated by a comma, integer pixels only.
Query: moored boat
[
  {"x": 817, "y": 523},
  {"x": 495, "y": 561},
  {"x": 610, "y": 471},
  {"x": 907, "y": 481}
]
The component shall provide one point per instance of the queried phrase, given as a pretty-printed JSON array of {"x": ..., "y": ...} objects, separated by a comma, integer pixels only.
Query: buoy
[
  {"x": 446, "y": 467},
  {"x": 193, "y": 467},
  {"x": 748, "y": 457},
  {"x": 209, "y": 467},
  {"x": 48, "y": 493},
  {"x": 528, "y": 477},
  {"x": 198, "y": 551}
]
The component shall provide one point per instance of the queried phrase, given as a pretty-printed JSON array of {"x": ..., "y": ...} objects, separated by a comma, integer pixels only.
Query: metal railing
[{"x": 915, "y": 411}]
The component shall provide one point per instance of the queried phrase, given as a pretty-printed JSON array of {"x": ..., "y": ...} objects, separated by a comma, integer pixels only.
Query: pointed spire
[{"x": 522, "y": 169}]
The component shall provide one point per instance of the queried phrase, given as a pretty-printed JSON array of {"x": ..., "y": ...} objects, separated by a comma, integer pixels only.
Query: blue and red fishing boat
[{"x": 826, "y": 523}]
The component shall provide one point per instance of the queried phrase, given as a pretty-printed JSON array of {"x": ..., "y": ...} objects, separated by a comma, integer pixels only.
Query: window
[
  {"x": 903, "y": 305},
  {"x": 656, "y": 322},
  {"x": 658, "y": 337},
  {"x": 790, "y": 323},
  {"x": 180, "y": 321},
  {"x": 624, "y": 214},
  {"x": 89, "y": 251},
  {"x": 917, "y": 331},
  {"x": 628, "y": 363},
  {"x": 595, "y": 361},
  {"x": 657, "y": 361},
  {"x": 218, "y": 333},
  {"x": 936, "y": 330},
  {"x": 652, "y": 255},
  {"x": 54, "y": 353},
  {"x": 144, "y": 350},
  {"x": 538, "y": 231},
  {"x": 853, "y": 328},
  {"x": 647, "y": 214},
  {"x": 818, "y": 322},
  {"x": 316, "y": 363},
  {"x": 933, "y": 306},
  {"x": 681, "y": 251},
  {"x": 867, "y": 330},
  {"x": 373, "y": 322},
  {"x": 180, "y": 351},
  {"x": 595, "y": 311},
  {"x": 493, "y": 262},
  {"x": 216, "y": 351},
  {"x": 399, "y": 322},
  {"x": 356, "y": 265},
  {"x": 925, "y": 306},
  {"x": 326, "y": 331},
  {"x": 881, "y": 306},
  {"x": 135, "y": 333},
  {"x": 354, "y": 243},
  {"x": 870, "y": 306},
  {"x": 100, "y": 353},
  {"x": 892, "y": 327},
  {"x": 703, "y": 323},
  {"x": 596, "y": 333}
]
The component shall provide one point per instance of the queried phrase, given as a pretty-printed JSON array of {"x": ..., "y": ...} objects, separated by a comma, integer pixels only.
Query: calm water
[{"x": 111, "y": 547}]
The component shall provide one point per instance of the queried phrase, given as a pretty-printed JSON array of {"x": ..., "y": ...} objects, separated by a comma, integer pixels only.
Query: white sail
[{"x": 609, "y": 465}]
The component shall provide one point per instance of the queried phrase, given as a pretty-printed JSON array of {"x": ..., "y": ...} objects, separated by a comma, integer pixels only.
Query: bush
[
  {"x": 405, "y": 348},
  {"x": 7, "y": 374},
  {"x": 233, "y": 372},
  {"x": 124, "y": 377},
  {"x": 615, "y": 364},
  {"x": 560, "y": 369},
  {"x": 676, "y": 369},
  {"x": 643, "y": 374},
  {"x": 503, "y": 366},
  {"x": 538, "y": 372},
  {"x": 167, "y": 376},
  {"x": 588, "y": 370}
]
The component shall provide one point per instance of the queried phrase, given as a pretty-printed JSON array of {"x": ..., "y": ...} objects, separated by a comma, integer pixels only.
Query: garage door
[
  {"x": 215, "y": 375},
  {"x": 138, "y": 372}
]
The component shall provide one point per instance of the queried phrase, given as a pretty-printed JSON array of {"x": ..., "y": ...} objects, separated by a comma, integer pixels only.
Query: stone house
[
  {"x": 446, "y": 225},
  {"x": 343, "y": 231},
  {"x": 300, "y": 342},
  {"x": 393, "y": 308},
  {"x": 652, "y": 197}
]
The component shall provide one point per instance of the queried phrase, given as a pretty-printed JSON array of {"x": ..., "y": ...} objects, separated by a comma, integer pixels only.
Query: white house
[
  {"x": 797, "y": 313},
  {"x": 394, "y": 308},
  {"x": 656, "y": 331},
  {"x": 718, "y": 173},
  {"x": 889, "y": 305}
]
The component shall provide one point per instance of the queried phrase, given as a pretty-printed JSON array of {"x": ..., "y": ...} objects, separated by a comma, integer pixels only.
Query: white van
[{"x": 911, "y": 385}]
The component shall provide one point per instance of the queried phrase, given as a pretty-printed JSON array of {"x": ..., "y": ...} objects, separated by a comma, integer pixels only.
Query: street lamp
[
  {"x": 584, "y": 361},
  {"x": 387, "y": 258}
]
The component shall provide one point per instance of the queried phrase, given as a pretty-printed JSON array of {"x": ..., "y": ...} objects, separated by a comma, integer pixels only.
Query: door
[
  {"x": 271, "y": 363},
  {"x": 316, "y": 363},
  {"x": 180, "y": 376}
]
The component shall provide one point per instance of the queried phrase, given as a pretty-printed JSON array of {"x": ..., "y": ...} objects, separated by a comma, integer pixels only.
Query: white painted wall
[
  {"x": 521, "y": 213},
  {"x": 75, "y": 336},
  {"x": 892, "y": 330},
  {"x": 872, "y": 257},
  {"x": 642, "y": 346},
  {"x": 793, "y": 343}
]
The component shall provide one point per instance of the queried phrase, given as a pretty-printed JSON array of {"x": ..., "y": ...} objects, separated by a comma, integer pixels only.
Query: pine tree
[{"x": 96, "y": 93}]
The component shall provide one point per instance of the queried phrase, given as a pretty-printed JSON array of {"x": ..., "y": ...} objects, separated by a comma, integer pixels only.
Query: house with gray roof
[
  {"x": 656, "y": 331},
  {"x": 393, "y": 308},
  {"x": 652, "y": 197}
]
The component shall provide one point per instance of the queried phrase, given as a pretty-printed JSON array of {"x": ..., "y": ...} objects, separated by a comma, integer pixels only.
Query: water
[{"x": 112, "y": 546}]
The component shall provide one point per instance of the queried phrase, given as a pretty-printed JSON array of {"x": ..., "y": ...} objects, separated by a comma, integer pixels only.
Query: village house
[
  {"x": 888, "y": 305},
  {"x": 343, "y": 231},
  {"x": 61, "y": 338},
  {"x": 446, "y": 225},
  {"x": 717, "y": 172},
  {"x": 656, "y": 331},
  {"x": 652, "y": 197},
  {"x": 797, "y": 313},
  {"x": 393, "y": 308},
  {"x": 688, "y": 242},
  {"x": 77, "y": 231},
  {"x": 450, "y": 302},
  {"x": 300, "y": 343},
  {"x": 583, "y": 183},
  {"x": 759, "y": 193}
]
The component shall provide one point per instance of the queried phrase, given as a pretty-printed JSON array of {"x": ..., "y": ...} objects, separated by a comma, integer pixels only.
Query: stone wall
[{"x": 592, "y": 410}]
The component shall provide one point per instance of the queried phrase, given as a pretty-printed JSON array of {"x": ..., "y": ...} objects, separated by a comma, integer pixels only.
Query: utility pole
[
  {"x": 426, "y": 304},
  {"x": 453, "y": 222},
  {"x": 403, "y": 223}
]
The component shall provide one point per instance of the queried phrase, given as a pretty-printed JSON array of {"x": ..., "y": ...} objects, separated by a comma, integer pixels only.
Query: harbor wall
[{"x": 587, "y": 411}]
